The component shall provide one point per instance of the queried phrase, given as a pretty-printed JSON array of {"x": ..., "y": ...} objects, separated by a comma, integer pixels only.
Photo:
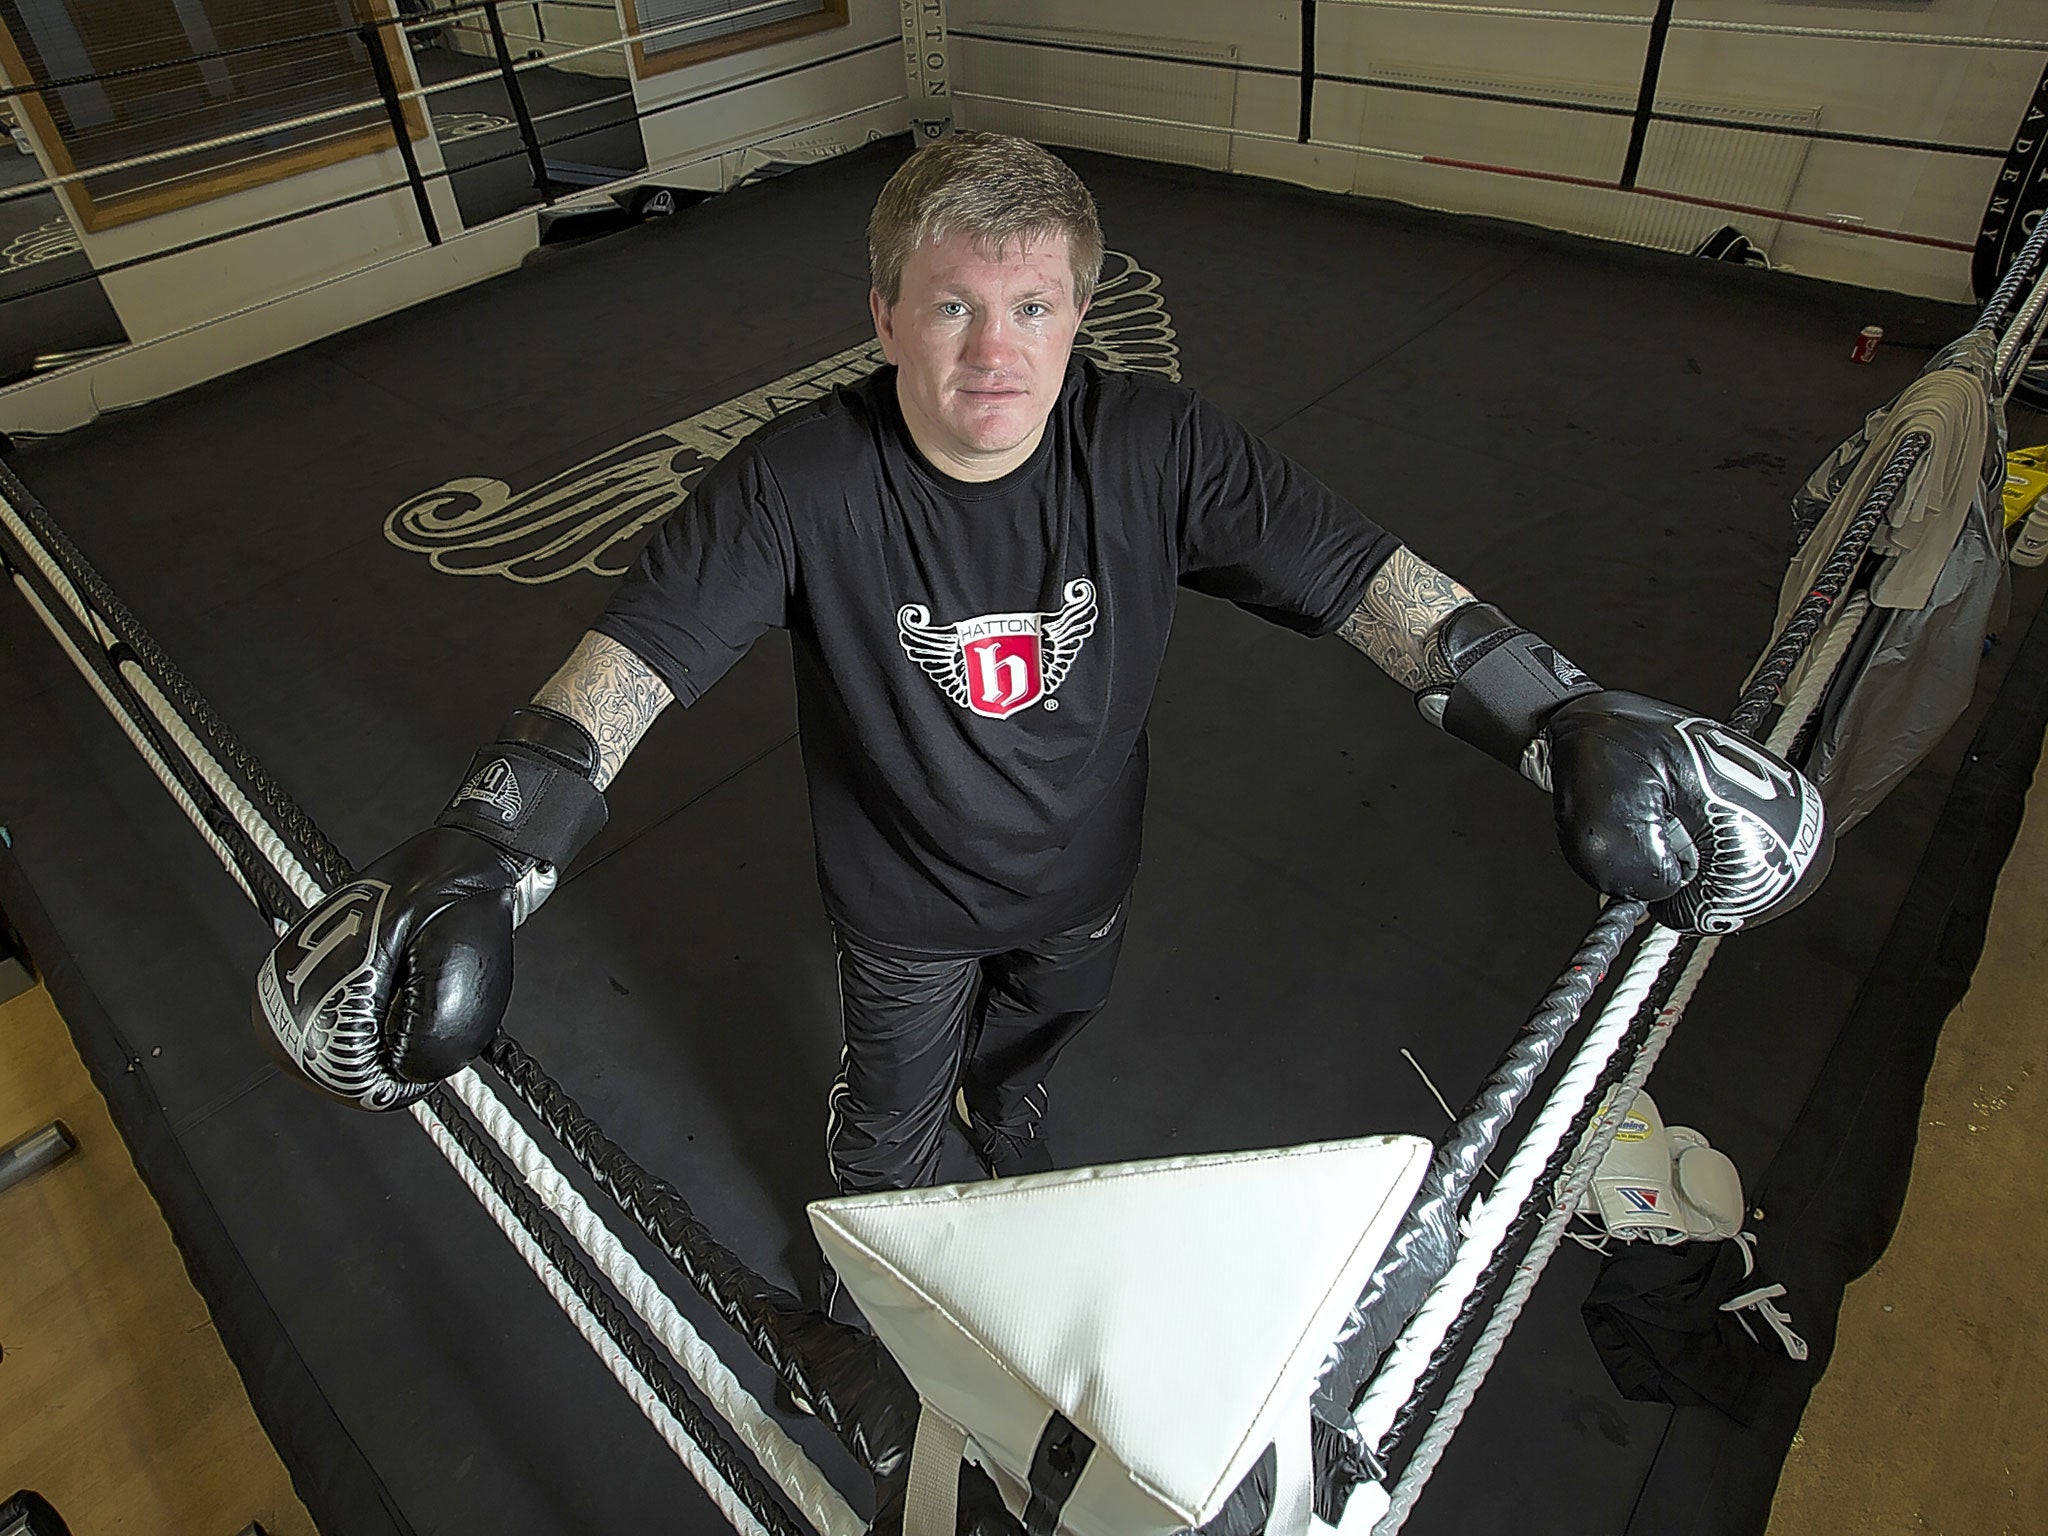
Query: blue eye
[
  {"x": 952, "y": 307},
  {"x": 1037, "y": 310}
]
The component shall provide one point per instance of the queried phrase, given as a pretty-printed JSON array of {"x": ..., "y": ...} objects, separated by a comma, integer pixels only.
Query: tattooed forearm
[
  {"x": 1393, "y": 624},
  {"x": 611, "y": 693}
]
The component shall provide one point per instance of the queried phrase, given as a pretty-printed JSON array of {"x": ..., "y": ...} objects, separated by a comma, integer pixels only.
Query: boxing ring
[
  {"x": 1434, "y": 1286},
  {"x": 1412, "y": 1357}
]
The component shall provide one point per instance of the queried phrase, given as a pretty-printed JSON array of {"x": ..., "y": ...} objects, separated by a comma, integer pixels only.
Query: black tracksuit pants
[{"x": 918, "y": 1028}]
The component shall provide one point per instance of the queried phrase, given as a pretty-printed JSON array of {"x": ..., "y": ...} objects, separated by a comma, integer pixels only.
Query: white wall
[{"x": 1952, "y": 95}]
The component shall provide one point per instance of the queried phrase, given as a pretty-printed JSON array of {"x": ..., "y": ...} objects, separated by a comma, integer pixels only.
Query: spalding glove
[
  {"x": 401, "y": 976},
  {"x": 1665, "y": 1184},
  {"x": 1711, "y": 830}
]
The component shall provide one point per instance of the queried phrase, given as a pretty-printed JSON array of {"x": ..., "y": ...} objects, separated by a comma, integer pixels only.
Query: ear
[{"x": 885, "y": 323}]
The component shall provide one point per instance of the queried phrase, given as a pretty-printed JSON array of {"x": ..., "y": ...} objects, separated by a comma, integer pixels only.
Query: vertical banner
[
  {"x": 2018, "y": 197},
  {"x": 928, "y": 67}
]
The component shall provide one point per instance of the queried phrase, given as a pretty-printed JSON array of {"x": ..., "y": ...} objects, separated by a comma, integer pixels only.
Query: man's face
[{"x": 980, "y": 344}]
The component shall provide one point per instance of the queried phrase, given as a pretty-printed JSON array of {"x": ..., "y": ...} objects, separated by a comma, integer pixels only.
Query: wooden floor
[
  {"x": 118, "y": 1404},
  {"x": 1933, "y": 1415}
]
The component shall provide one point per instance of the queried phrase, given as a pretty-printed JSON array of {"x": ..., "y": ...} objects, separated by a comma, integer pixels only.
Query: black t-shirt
[{"x": 975, "y": 661}]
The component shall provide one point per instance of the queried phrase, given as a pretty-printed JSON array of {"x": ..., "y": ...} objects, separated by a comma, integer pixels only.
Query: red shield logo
[{"x": 1004, "y": 673}]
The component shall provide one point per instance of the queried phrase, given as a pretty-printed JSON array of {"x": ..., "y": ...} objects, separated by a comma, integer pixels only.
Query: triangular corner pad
[{"x": 1170, "y": 1308}]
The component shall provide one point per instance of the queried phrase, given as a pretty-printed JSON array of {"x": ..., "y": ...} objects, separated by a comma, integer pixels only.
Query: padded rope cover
[
  {"x": 532, "y": 792},
  {"x": 856, "y": 1389}
]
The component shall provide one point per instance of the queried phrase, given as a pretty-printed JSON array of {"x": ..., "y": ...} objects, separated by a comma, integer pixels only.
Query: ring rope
[
  {"x": 738, "y": 1514},
  {"x": 1803, "y": 704},
  {"x": 1658, "y": 1013},
  {"x": 2019, "y": 272},
  {"x": 52, "y": 552},
  {"x": 728, "y": 1402},
  {"x": 798, "y": 1476},
  {"x": 1757, "y": 698},
  {"x": 1485, "y": 1221},
  {"x": 502, "y": 221},
  {"x": 817, "y": 1358},
  {"x": 377, "y": 103},
  {"x": 99, "y": 661},
  {"x": 1687, "y": 24},
  {"x": 1424, "y": 1245},
  {"x": 141, "y": 743}
]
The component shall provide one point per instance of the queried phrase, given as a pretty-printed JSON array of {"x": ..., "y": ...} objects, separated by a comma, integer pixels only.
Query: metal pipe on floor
[{"x": 23, "y": 1159}]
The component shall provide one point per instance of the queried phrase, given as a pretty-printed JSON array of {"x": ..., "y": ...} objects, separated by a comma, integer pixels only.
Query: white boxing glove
[{"x": 1660, "y": 1184}]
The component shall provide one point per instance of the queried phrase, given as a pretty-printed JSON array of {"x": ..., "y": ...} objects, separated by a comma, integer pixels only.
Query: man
[{"x": 976, "y": 552}]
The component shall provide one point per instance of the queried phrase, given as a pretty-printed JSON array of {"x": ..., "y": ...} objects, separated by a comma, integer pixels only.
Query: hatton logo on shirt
[{"x": 999, "y": 663}]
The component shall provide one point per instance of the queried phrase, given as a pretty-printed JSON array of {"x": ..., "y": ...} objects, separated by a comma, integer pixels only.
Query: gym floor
[{"x": 364, "y": 552}]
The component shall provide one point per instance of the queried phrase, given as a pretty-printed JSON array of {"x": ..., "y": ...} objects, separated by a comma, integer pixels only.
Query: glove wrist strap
[
  {"x": 1508, "y": 681},
  {"x": 531, "y": 792}
]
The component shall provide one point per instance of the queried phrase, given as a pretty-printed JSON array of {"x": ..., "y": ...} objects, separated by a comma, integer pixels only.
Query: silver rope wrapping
[
  {"x": 1486, "y": 1220},
  {"x": 1412, "y": 1354},
  {"x": 1425, "y": 1246}
]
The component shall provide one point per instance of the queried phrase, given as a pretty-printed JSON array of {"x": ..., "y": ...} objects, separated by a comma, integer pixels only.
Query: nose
[{"x": 991, "y": 344}]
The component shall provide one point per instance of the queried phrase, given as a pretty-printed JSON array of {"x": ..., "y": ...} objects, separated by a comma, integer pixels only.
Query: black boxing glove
[
  {"x": 400, "y": 977},
  {"x": 1711, "y": 830}
]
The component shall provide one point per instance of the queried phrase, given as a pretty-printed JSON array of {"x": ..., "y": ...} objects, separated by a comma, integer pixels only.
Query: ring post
[
  {"x": 518, "y": 95},
  {"x": 387, "y": 87}
]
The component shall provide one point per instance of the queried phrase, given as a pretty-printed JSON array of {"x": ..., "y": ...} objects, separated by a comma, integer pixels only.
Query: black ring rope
[
  {"x": 445, "y": 172},
  {"x": 1756, "y": 701},
  {"x": 354, "y": 29},
  {"x": 2019, "y": 273},
  {"x": 274, "y": 899},
  {"x": 284, "y": 813},
  {"x": 856, "y": 1389},
  {"x": 622, "y": 1328},
  {"x": 1424, "y": 1247},
  {"x": 1479, "y": 1302},
  {"x": 1425, "y": 1244},
  {"x": 843, "y": 1373}
]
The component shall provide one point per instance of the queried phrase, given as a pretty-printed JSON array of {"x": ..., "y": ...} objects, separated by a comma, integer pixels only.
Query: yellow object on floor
[{"x": 2026, "y": 477}]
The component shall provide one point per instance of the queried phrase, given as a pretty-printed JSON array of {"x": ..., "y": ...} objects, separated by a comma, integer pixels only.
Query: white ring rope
[
  {"x": 1487, "y": 1219},
  {"x": 730, "y": 1505},
  {"x": 268, "y": 842},
  {"x": 2021, "y": 336},
  {"x": 1798, "y": 708},
  {"x": 575, "y": 200},
  {"x": 1687, "y": 24},
  {"x": 799, "y": 1477},
  {"x": 785, "y": 1461},
  {"x": 142, "y": 743},
  {"x": 357, "y": 108},
  {"x": 225, "y": 789}
]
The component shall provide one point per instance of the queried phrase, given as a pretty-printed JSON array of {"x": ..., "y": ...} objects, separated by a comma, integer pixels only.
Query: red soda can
[{"x": 1866, "y": 344}]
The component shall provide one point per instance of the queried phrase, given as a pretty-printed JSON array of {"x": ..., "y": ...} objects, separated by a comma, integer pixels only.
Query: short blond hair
[{"x": 996, "y": 189}]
